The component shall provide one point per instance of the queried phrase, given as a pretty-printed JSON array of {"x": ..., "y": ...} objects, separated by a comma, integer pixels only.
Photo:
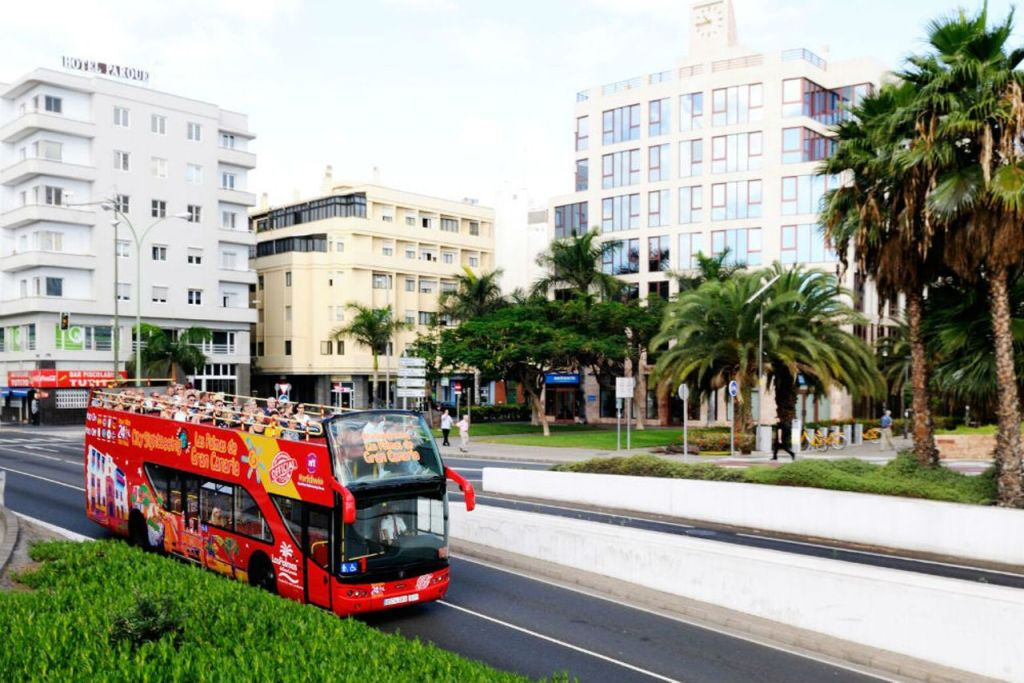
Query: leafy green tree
[
  {"x": 428, "y": 347},
  {"x": 165, "y": 355},
  {"x": 574, "y": 264},
  {"x": 474, "y": 295},
  {"x": 374, "y": 328}
]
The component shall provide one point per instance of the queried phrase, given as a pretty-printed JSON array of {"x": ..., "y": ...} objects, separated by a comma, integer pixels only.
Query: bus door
[{"x": 317, "y": 542}]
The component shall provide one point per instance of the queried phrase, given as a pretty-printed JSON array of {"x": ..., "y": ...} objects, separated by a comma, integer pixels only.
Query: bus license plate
[{"x": 398, "y": 600}]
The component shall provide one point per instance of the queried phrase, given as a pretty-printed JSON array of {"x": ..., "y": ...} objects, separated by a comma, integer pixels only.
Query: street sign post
[
  {"x": 412, "y": 379},
  {"x": 684, "y": 396},
  {"x": 734, "y": 388},
  {"x": 412, "y": 362},
  {"x": 402, "y": 392},
  {"x": 624, "y": 392}
]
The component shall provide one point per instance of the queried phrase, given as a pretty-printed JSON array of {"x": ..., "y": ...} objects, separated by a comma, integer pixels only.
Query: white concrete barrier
[
  {"x": 954, "y": 529},
  {"x": 959, "y": 624}
]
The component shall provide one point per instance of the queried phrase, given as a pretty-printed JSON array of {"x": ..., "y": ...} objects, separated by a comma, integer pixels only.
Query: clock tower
[{"x": 712, "y": 26}]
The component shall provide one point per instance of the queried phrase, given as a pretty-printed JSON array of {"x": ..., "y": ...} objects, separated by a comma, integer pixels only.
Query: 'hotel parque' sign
[{"x": 115, "y": 70}]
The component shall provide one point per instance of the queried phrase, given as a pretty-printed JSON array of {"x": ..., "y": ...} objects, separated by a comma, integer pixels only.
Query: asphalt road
[{"x": 510, "y": 621}]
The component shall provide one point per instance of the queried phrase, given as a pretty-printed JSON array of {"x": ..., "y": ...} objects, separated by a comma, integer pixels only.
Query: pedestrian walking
[
  {"x": 886, "y": 431},
  {"x": 446, "y": 427},
  {"x": 34, "y": 409},
  {"x": 781, "y": 441},
  {"x": 463, "y": 433}
]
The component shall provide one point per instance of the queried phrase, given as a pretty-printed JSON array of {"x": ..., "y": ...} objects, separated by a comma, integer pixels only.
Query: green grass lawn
[
  {"x": 590, "y": 437},
  {"x": 982, "y": 429},
  {"x": 479, "y": 429},
  {"x": 104, "y": 611}
]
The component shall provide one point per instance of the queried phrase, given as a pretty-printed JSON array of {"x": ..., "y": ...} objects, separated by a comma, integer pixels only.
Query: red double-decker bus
[{"x": 350, "y": 512}]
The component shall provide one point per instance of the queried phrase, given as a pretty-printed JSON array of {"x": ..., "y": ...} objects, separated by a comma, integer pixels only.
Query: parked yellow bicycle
[
  {"x": 873, "y": 434},
  {"x": 820, "y": 440}
]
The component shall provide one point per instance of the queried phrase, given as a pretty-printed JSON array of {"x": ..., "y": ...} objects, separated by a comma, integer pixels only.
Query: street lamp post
[
  {"x": 760, "y": 349},
  {"x": 112, "y": 206},
  {"x": 116, "y": 336}
]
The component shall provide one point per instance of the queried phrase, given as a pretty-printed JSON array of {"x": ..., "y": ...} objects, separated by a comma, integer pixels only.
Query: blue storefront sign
[{"x": 553, "y": 378}]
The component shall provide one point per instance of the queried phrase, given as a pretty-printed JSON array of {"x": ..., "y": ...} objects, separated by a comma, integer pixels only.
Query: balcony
[
  {"x": 232, "y": 196},
  {"x": 243, "y": 275},
  {"x": 27, "y": 124},
  {"x": 28, "y": 168},
  {"x": 51, "y": 259},
  {"x": 46, "y": 212},
  {"x": 236, "y": 157}
]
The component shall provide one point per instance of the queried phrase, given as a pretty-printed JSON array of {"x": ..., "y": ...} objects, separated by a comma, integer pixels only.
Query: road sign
[
  {"x": 411, "y": 382},
  {"x": 458, "y": 387},
  {"x": 412, "y": 372},
  {"x": 624, "y": 387},
  {"x": 412, "y": 362},
  {"x": 734, "y": 388},
  {"x": 684, "y": 392},
  {"x": 410, "y": 393}
]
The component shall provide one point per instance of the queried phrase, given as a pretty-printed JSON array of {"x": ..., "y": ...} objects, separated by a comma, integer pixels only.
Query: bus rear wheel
[
  {"x": 261, "y": 573},
  {"x": 138, "y": 534}
]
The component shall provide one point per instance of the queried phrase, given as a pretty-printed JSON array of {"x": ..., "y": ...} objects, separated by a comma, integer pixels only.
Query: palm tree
[
  {"x": 880, "y": 213},
  {"x": 164, "y": 355},
  {"x": 806, "y": 335},
  {"x": 972, "y": 104},
  {"x": 574, "y": 264},
  {"x": 717, "y": 267},
  {"x": 474, "y": 295},
  {"x": 374, "y": 328}
]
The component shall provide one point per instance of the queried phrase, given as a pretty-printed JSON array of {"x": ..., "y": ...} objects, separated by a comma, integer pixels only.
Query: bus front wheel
[
  {"x": 261, "y": 573},
  {"x": 138, "y": 534}
]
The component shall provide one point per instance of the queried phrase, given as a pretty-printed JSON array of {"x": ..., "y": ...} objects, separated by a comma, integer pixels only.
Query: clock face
[{"x": 709, "y": 21}]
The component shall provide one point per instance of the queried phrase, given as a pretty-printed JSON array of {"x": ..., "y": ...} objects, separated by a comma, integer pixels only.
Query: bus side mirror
[
  {"x": 348, "y": 504},
  {"x": 467, "y": 489}
]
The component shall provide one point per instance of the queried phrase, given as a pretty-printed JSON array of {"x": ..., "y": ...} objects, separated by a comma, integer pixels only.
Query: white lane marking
[
  {"x": 891, "y": 557},
  {"x": 825, "y": 659},
  {"x": 66, "y": 533},
  {"x": 556, "y": 641},
  {"x": 46, "y": 479},
  {"x": 76, "y": 463},
  {"x": 44, "y": 449}
]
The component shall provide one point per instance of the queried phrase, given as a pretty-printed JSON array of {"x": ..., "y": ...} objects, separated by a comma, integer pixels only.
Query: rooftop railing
[{"x": 806, "y": 55}]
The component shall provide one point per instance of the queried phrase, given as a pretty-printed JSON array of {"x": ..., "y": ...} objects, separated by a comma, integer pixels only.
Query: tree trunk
[
  {"x": 924, "y": 435},
  {"x": 536, "y": 400},
  {"x": 1008, "y": 443},
  {"x": 373, "y": 383},
  {"x": 639, "y": 391},
  {"x": 785, "y": 394}
]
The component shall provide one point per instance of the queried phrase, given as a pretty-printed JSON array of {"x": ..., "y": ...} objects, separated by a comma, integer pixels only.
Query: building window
[
  {"x": 743, "y": 245},
  {"x": 122, "y": 203},
  {"x": 159, "y": 252},
  {"x": 690, "y": 244},
  {"x": 582, "y": 133},
  {"x": 620, "y": 213},
  {"x": 474, "y": 261},
  {"x": 410, "y": 220},
  {"x": 738, "y": 152},
  {"x": 803, "y": 144},
  {"x": 659, "y": 288},
  {"x": 805, "y": 244},
  {"x": 691, "y": 111},
  {"x": 288, "y": 278},
  {"x": 53, "y": 196},
  {"x": 659, "y": 117},
  {"x": 737, "y": 104},
  {"x": 691, "y": 204},
  {"x": 447, "y": 257},
  {"x": 159, "y": 167},
  {"x": 122, "y": 248},
  {"x": 410, "y": 317},
  {"x": 195, "y": 213},
  {"x": 387, "y": 250},
  {"x": 449, "y": 224},
  {"x": 158, "y": 208},
  {"x": 227, "y": 180},
  {"x": 803, "y": 97},
  {"x": 658, "y": 254},
  {"x": 158, "y": 124},
  {"x": 121, "y": 117},
  {"x": 621, "y": 258},
  {"x": 159, "y": 295},
  {"x": 122, "y": 160},
  {"x": 326, "y": 348},
  {"x": 260, "y": 349},
  {"x": 227, "y": 140},
  {"x": 194, "y": 256},
  {"x": 410, "y": 252},
  {"x": 803, "y": 194},
  {"x": 570, "y": 219},
  {"x": 658, "y": 163},
  {"x": 426, "y": 317},
  {"x": 193, "y": 174},
  {"x": 691, "y": 158},
  {"x": 195, "y": 297},
  {"x": 381, "y": 281},
  {"x": 410, "y": 284},
  {"x": 124, "y": 291},
  {"x": 48, "y": 240},
  {"x": 658, "y": 208},
  {"x": 53, "y": 104},
  {"x": 582, "y": 183},
  {"x": 49, "y": 149},
  {"x": 228, "y": 219},
  {"x": 54, "y": 286},
  {"x": 621, "y": 168},
  {"x": 736, "y": 200},
  {"x": 427, "y": 255},
  {"x": 340, "y": 346},
  {"x": 287, "y": 314},
  {"x": 426, "y": 287},
  {"x": 287, "y": 347},
  {"x": 195, "y": 131},
  {"x": 474, "y": 227},
  {"x": 618, "y": 125}
]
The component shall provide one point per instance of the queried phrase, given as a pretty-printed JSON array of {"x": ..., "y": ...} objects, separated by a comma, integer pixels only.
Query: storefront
[
  {"x": 563, "y": 399},
  {"x": 63, "y": 394}
]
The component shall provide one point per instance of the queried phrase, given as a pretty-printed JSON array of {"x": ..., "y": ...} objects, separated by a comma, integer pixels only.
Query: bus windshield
[{"x": 376, "y": 445}]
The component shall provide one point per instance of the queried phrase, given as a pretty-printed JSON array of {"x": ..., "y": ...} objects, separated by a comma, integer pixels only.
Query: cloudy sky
[{"x": 458, "y": 98}]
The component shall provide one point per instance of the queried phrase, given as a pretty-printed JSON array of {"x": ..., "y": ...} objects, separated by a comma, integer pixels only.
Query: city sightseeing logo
[{"x": 281, "y": 468}]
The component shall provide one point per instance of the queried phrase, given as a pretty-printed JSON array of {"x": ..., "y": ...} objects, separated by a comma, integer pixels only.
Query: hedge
[
  {"x": 105, "y": 611},
  {"x": 507, "y": 412},
  {"x": 902, "y": 476}
]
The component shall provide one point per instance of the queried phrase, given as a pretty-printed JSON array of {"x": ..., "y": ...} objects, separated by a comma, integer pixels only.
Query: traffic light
[{"x": 65, "y": 321}]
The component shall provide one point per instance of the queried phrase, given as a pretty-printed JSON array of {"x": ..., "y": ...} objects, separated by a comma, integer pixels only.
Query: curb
[{"x": 10, "y": 536}]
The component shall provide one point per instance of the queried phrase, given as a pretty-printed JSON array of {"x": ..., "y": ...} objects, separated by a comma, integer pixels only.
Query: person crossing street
[{"x": 446, "y": 427}]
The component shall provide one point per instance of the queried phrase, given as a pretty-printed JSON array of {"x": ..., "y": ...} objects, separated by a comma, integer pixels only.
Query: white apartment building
[
  {"x": 70, "y": 144},
  {"x": 521, "y": 234},
  {"x": 718, "y": 152}
]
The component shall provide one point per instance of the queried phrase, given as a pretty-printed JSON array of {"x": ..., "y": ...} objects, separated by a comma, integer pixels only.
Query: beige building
[
  {"x": 718, "y": 152},
  {"x": 367, "y": 244}
]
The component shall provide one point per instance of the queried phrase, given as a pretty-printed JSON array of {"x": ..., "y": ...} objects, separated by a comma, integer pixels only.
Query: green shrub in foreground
[
  {"x": 86, "y": 621},
  {"x": 902, "y": 476}
]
